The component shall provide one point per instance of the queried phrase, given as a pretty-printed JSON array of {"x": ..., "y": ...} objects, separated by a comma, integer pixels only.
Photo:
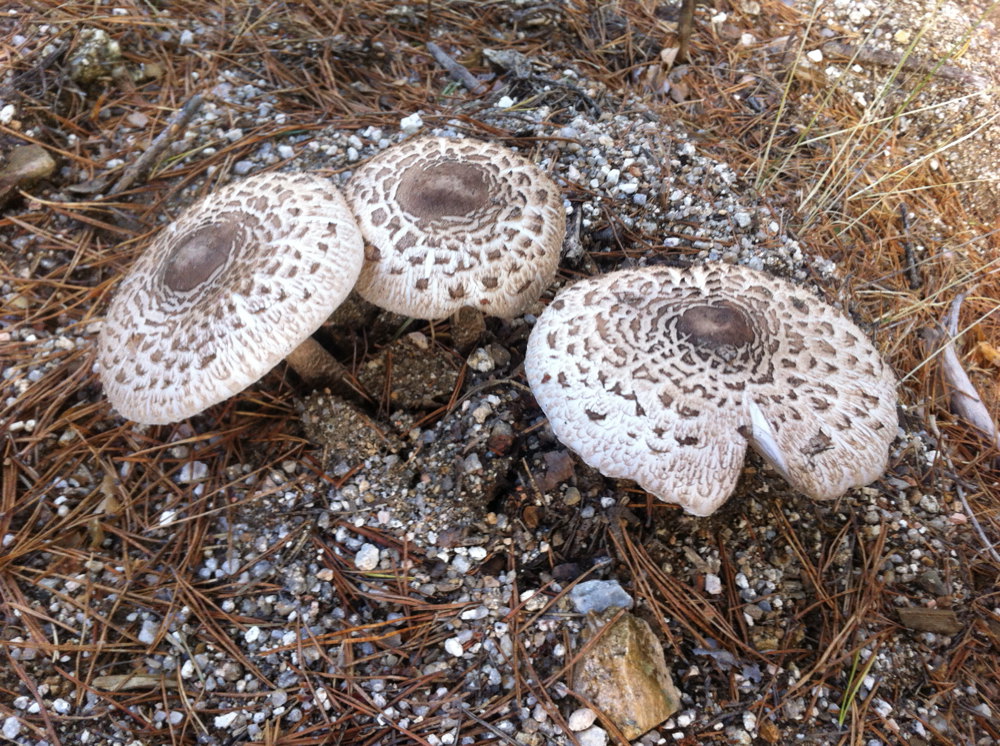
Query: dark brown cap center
[
  {"x": 197, "y": 256},
  {"x": 715, "y": 326},
  {"x": 449, "y": 188}
]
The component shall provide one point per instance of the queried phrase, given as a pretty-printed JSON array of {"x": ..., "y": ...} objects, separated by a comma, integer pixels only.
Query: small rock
[
  {"x": 558, "y": 468},
  {"x": 226, "y": 719},
  {"x": 11, "y": 727},
  {"x": 411, "y": 124},
  {"x": 594, "y": 736},
  {"x": 478, "y": 612},
  {"x": 581, "y": 719},
  {"x": 713, "y": 584},
  {"x": 930, "y": 580},
  {"x": 599, "y": 595},
  {"x": 480, "y": 360},
  {"x": 150, "y": 629},
  {"x": 61, "y": 706},
  {"x": 625, "y": 675},
  {"x": 192, "y": 471},
  {"x": 367, "y": 558},
  {"x": 501, "y": 438}
]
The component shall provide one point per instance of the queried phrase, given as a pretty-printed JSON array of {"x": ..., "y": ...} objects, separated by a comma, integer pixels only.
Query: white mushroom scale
[
  {"x": 225, "y": 292},
  {"x": 664, "y": 375}
]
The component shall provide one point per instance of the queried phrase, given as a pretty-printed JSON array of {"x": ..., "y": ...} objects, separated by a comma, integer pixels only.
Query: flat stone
[
  {"x": 625, "y": 675},
  {"x": 599, "y": 595}
]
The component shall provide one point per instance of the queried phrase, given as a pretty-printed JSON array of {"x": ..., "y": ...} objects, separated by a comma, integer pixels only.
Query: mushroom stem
[{"x": 319, "y": 369}]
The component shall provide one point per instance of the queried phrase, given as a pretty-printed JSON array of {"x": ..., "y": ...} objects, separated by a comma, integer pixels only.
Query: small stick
[
  {"x": 685, "y": 24},
  {"x": 867, "y": 55},
  {"x": 175, "y": 124},
  {"x": 990, "y": 549},
  {"x": 987, "y": 544},
  {"x": 457, "y": 71},
  {"x": 911, "y": 260}
]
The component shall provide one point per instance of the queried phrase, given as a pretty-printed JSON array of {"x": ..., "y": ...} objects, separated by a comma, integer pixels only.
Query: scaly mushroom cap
[
  {"x": 664, "y": 375},
  {"x": 225, "y": 292},
  {"x": 451, "y": 223}
]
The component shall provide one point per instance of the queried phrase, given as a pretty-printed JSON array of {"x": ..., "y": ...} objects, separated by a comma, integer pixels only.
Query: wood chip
[
  {"x": 132, "y": 681},
  {"x": 930, "y": 620}
]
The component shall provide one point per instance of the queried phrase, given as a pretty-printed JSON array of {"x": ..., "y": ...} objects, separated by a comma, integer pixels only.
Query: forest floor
[{"x": 237, "y": 579}]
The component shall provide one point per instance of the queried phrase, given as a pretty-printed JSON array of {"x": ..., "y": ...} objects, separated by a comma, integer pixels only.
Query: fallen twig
[
  {"x": 863, "y": 55},
  {"x": 960, "y": 491},
  {"x": 456, "y": 70},
  {"x": 912, "y": 271},
  {"x": 685, "y": 25},
  {"x": 176, "y": 122}
]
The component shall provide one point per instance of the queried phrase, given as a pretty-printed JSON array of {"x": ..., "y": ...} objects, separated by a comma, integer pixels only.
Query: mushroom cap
[
  {"x": 225, "y": 292},
  {"x": 455, "y": 222},
  {"x": 664, "y": 376}
]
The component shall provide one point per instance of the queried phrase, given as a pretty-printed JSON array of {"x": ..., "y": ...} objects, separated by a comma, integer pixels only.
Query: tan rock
[
  {"x": 625, "y": 675},
  {"x": 25, "y": 165}
]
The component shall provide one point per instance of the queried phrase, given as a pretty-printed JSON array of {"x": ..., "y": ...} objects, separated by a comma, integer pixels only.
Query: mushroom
[
  {"x": 450, "y": 223},
  {"x": 237, "y": 283},
  {"x": 664, "y": 375}
]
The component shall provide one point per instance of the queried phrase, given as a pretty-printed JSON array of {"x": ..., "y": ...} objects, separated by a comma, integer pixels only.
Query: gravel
[{"x": 471, "y": 507}]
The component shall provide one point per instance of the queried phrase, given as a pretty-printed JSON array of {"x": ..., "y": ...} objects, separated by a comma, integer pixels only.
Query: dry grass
[{"x": 340, "y": 62}]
